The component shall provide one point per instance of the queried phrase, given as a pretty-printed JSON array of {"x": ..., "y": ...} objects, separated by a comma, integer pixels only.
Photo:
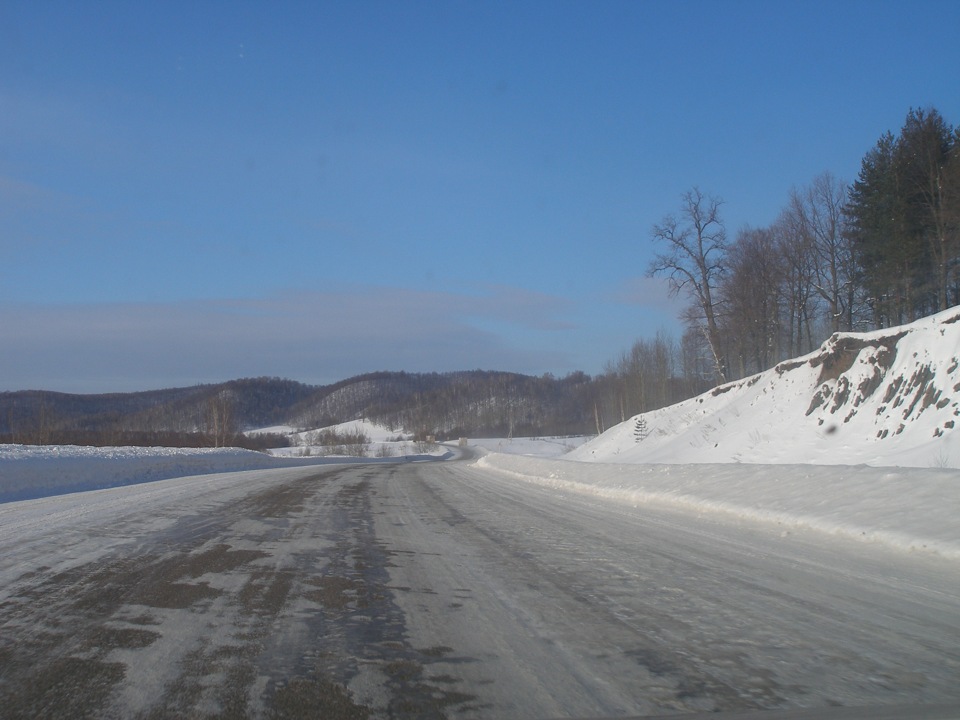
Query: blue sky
[{"x": 193, "y": 192}]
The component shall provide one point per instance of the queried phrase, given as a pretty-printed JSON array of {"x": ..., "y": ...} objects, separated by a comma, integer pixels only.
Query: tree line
[
  {"x": 881, "y": 251},
  {"x": 472, "y": 403}
]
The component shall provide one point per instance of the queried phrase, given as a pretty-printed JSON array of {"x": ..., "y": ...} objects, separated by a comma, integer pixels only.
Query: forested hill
[
  {"x": 444, "y": 404},
  {"x": 477, "y": 402},
  {"x": 191, "y": 416}
]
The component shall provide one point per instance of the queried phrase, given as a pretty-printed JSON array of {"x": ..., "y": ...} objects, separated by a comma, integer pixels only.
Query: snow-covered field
[
  {"x": 31, "y": 471},
  {"x": 384, "y": 443}
]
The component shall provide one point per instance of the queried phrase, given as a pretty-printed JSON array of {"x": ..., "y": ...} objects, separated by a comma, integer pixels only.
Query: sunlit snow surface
[{"x": 906, "y": 508}]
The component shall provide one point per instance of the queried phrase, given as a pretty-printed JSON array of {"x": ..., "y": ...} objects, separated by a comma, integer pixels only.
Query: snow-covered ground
[
  {"x": 537, "y": 447},
  {"x": 905, "y": 508},
  {"x": 384, "y": 443},
  {"x": 299, "y": 436}
]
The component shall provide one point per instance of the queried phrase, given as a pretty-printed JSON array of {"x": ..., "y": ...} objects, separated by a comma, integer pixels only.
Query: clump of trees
[
  {"x": 882, "y": 251},
  {"x": 355, "y": 443},
  {"x": 203, "y": 416},
  {"x": 474, "y": 403},
  {"x": 904, "y": 213}
]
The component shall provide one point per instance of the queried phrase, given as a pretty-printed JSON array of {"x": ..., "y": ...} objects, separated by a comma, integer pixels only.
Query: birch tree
[{"x": 693, "y": 259}]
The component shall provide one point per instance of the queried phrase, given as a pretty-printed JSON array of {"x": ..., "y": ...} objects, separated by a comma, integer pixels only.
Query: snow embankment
[
  {"x": 539, "y": 446},
  {"x": 884, "y": 398},
  {"x": 910, "y": 509}
]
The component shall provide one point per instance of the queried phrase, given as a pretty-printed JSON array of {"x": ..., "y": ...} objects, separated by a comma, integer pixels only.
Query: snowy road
[{"x": 441, "y": 590}]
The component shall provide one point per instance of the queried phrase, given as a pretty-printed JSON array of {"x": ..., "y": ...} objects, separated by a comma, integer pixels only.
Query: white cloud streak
[{"x": 315, "y": 337}]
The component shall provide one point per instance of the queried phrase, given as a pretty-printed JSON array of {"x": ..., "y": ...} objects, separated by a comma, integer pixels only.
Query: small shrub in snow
[{"x": 640, "y": 430}]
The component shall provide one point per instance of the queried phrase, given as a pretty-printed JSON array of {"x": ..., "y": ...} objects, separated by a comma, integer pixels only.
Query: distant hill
[
  {"x": 176, "y": 416},
  {"x": 888, "y": 397},
  {"x": 442, "y": 404},
  {"x": 475, "y": 403}
]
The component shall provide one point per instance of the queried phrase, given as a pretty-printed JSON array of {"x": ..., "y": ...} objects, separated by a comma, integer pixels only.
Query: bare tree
[
  {"x": 951, "y": 199},
  {"x": 816, "y": 215},
  {"x": 799, "y": 281},
  {"x": 694, "y": 261},
  {"x": 220, "y": 422},
  {"x": 752, "y": 293}
]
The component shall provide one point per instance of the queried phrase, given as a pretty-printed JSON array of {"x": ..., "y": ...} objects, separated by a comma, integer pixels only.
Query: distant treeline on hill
[
  {"x": 160, "y": 438},
  {"x": 443, "y": 405},
  {"x": 650, "y": 375}
]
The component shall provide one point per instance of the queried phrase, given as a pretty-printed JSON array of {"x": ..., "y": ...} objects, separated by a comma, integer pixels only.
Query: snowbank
[
  {"x": 538, "y": 446},
  {"x": 883, "y": 398},
  {"x": 909, "y": 509}
]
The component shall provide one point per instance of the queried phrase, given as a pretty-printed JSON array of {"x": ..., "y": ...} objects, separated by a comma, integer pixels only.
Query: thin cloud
[
  {"x": 526, "y": 308},
  {"x": 314, "y": 337},
  {"x": 651, "y": 292}
]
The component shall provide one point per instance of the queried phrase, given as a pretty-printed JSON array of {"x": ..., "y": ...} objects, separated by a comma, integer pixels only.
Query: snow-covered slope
[
  {"x": 383, "y": 442},
  {"x": 377, "y": 433},
  {"x": 884, "y": 398}
]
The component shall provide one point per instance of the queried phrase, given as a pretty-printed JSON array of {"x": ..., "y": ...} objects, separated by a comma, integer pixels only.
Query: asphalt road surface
[{"x": 432, "y": 590}]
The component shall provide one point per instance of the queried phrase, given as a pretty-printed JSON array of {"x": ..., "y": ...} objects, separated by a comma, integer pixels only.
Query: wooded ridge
[{"x": 444, "y": 405}]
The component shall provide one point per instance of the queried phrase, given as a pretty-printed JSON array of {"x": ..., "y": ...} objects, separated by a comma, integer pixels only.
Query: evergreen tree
[
  {"x": 903, "y": 220},
  {"x": 923, "y": 150},
  {"x": 887, "y": 258}
]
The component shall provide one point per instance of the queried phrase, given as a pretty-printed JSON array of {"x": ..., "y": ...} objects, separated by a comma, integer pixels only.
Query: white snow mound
[{"x": 885, "y": 398}]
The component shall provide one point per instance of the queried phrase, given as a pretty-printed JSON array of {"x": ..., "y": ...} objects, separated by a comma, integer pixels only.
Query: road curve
[{"x": 435, "y": 590}]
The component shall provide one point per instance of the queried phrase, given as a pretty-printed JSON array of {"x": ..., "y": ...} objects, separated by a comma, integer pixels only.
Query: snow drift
[
  {"x": 883, "y": 398},
  {"x": 907, "y": 509}
]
